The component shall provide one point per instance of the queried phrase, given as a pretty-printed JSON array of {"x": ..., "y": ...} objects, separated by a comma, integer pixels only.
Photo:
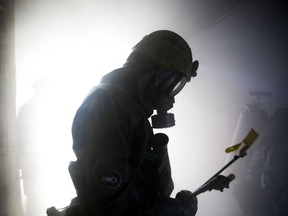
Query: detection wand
[{"x": 219, "y": 182}]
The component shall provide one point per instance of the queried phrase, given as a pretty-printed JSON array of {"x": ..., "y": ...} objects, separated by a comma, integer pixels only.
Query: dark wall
[{"x": 247, "y": 51}]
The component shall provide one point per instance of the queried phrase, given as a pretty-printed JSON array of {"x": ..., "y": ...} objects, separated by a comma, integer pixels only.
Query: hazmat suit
[{"x": 122, "y": 167}]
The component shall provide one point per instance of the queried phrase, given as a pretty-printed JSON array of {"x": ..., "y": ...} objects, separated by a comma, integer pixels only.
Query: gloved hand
[
  {"x": 189, "y": 202},
  {"x": 220, "y": 182}
]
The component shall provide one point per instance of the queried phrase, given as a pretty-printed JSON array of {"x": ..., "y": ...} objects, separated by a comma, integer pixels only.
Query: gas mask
[{"x": 166, "y": 86}]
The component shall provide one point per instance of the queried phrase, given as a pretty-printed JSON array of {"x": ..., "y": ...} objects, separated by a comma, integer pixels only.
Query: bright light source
[{"x": 72, "y": 57}]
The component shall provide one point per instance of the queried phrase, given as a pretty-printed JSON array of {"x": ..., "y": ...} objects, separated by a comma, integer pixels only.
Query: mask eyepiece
[{"x": 176, "y": 86}]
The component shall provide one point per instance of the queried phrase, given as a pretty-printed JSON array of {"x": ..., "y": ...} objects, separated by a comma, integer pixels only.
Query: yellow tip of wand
[{"x": 246, "y": 143}]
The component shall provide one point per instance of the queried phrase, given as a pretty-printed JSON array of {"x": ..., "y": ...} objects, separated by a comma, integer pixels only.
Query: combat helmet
[{"x": 170, "y": 51}]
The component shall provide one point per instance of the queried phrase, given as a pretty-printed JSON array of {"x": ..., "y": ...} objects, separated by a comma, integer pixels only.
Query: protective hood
[{"x": 152, "y": 88}]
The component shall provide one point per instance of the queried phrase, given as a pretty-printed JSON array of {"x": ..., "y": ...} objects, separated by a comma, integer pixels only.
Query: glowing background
[{"x": 74, "y": 43}]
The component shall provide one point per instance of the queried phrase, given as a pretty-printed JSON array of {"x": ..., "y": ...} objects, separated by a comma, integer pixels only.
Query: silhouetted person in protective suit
[
  {"x": 34, "y": 135},
  {"x": 122, "y": 168}
]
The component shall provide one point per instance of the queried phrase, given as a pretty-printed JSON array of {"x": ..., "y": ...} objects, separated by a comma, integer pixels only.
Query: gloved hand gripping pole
[{"x": 219, "y": 182}]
